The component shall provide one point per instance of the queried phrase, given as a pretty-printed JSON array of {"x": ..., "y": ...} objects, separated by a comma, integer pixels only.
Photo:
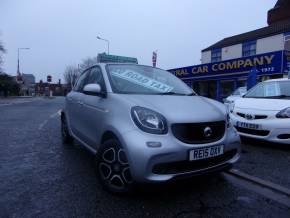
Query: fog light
[{"x": 153, "y": 144}]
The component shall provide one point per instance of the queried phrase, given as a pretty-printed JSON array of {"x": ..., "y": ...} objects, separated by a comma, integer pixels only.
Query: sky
[{"x": 63, "y": 32}]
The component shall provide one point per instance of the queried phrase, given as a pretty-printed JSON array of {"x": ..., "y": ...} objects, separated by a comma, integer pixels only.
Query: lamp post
[
  {"x": 106, "y": 40},
  {"x": 18, "y": 51}
]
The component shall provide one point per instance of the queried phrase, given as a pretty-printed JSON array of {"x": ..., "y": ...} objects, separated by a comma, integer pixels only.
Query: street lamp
[
  {"x": 106, "y": 41},
  {"x": 18, "y": 70}
]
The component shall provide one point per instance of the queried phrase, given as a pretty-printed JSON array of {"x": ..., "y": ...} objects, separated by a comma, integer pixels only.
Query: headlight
[
  {"x": 285, "y": 113},
  {"x": 232, "y": 107},
  {"x": 228, "y": 120},
  {"x": 149, "y": 120}
]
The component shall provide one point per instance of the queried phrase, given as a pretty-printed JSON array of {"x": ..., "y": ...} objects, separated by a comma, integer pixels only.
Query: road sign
[
  {"x": 104, "y": 58},
  {"x": 49, "y": 78}
]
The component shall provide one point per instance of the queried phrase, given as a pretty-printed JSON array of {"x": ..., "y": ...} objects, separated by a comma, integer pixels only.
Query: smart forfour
[{"x": 144, "y": 125}]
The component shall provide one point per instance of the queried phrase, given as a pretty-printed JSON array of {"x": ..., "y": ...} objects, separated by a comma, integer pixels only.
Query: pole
[
  {"x": 108, "y": 47},
  {"x": 18, "y": 71},
  {"x": 106, "y": 40}
]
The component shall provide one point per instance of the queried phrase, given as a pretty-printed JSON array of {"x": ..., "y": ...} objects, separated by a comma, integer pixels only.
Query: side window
[
  {"x": 96, "y": 76},
  {"x": 81, "y": 82}
]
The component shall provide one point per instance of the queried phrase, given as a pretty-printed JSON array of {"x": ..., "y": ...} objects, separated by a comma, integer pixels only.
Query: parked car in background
[
  {"x": 238, "y": 93},
  {"x": 264, "y": 112},
  {"x": 144, "y": 125}
]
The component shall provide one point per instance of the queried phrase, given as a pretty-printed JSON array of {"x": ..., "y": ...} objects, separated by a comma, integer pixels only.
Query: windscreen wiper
[
  {"x": 191, "y": 94},
  {"x": 278, "y": 96},
  {"x": 171, "y": 93}
]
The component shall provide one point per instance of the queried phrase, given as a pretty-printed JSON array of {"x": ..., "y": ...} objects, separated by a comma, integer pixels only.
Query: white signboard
[{"x": 142, "y": 80}]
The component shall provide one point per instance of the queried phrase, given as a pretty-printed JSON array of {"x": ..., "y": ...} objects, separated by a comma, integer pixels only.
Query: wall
[
  {"x": 232, "y": 52},
  {"x": 206, "y": 57},
  {"x": 264, "y": 45},
  {"x": 270, "y": 44}
]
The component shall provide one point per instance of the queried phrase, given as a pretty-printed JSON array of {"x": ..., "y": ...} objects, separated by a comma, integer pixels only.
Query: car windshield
[
  {"x": 138, "y": 79},
  {"x": 275, "y": 89},
  {"x": 240, "y": 91}
]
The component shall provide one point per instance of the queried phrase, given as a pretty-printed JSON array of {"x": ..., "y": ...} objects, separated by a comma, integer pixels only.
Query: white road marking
[
  {"x": 42, "y": 124},
  {"x": 58, "y": 113},
  {"x": 55, "y": 114}
]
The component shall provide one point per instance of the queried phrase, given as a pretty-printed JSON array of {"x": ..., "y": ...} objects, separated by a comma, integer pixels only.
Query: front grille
[
  {"x": 284, "y": 136},
  {"x": 255, "y": 117},
  {"x": 253, "y": 131},
  {"x": 241, "y": 115},
  {"x": 194, "y": 133},
  {"x": 190, "y": 166}
]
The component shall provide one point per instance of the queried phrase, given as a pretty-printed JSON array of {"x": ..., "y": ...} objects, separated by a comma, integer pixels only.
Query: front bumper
[
  {"x": 272, "y": 129},
  {"x": 157, "y": 164}
]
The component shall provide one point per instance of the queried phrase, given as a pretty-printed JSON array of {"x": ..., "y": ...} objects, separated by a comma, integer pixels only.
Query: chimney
[{"x": 280, "y": 12}]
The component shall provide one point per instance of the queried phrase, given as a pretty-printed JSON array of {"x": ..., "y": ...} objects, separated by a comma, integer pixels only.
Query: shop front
[{"x": 218, "y": 80}]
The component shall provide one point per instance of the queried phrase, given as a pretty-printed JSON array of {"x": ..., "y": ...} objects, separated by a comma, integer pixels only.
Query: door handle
[{"x": 81, "y": 103}]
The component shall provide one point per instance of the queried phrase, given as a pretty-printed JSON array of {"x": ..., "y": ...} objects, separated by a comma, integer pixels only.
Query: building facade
[
  {"x": 227, "y": 64},
  {"x": 44, "y": 88}
]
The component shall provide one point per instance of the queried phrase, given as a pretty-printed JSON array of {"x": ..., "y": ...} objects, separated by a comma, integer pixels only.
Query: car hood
[
  {"x": 181, "y": 108},
  {"x": 262, "y": 104},
  {"x": 233, "y": 97}
]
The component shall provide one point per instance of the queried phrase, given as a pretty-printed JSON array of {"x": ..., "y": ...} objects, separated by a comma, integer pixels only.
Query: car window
[
  {"x": 270, "y": 90},
  {"x": 138, "y": 79},
  {"x": 81, "y": 82},
  {"x": 96, "y": 76},
  {"x": 237, "y": 92}
]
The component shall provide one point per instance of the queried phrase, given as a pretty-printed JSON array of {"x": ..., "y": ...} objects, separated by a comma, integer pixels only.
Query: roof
[
  {"x": 264, "y": 32},
  {"x": 277, "y": 80}
]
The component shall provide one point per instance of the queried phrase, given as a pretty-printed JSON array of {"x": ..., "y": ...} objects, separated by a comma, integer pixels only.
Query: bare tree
[
  {"x": 71, "y": 74},
  {"x": 2, "y": 51},
  {"x": 88, "y": 62}
]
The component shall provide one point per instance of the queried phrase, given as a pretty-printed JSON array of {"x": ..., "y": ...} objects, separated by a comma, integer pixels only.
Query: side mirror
[{"x": 93, "y": 89}]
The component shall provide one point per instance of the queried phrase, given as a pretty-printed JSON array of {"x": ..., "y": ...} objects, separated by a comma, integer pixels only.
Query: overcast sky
[{"x": 63, "y": 32}]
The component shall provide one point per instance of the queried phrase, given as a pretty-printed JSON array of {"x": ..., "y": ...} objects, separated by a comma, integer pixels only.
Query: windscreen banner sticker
[{"x": 142, "y": 80}]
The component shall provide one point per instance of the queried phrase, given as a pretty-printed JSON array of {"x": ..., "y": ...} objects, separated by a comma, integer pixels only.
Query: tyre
[
  {"x": 65, "y": 135},
  {"x": 112, "y": 168}
]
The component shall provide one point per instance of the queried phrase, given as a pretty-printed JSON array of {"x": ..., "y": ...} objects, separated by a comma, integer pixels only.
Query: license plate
[
  {"x": 248, "y": 125},
  {"x": 203, "y": 153}
]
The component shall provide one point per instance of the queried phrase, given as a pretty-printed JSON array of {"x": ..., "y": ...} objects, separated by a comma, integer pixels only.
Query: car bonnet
[
  {"x": 262, "y": 104},
  {"x": 180, "y": 109}
]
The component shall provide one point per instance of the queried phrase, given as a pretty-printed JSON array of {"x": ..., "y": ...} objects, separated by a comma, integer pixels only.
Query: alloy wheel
[{"x": 114, "y": 168}]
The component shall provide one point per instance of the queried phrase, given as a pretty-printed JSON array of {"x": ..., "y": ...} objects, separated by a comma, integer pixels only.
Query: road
[{"x": 40, "y": 177}]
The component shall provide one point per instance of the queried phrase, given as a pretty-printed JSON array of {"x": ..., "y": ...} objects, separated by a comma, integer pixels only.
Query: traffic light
[{"x": 49, "y": 78}]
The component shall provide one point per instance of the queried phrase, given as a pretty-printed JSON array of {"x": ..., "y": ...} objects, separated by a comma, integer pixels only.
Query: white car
[
  {"x": 264, "y": 112},
  {"x": 238, "y": 93}
]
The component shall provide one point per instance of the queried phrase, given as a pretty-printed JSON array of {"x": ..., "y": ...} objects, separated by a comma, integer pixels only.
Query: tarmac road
[{"x": 40, "y": 177}]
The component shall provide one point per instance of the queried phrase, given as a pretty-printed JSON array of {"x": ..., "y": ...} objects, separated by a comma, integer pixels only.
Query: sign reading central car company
[{"x": 264, "y": 63}]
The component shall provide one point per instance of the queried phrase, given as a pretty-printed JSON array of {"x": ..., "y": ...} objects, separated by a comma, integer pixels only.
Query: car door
[
  {"x": 74, "y": 104},
  {"x": 94, "y": 110}
]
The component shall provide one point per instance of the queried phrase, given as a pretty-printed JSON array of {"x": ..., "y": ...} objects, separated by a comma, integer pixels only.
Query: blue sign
[
  {"x": 252, "y": 78},
  {"x": 287, "y": 62},
  {"x": 267, "y": 63}
]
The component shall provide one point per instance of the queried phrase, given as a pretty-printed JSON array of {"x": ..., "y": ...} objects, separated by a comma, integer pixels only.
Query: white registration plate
[
  {"x": 203, "y": 153},
  {"x": 248, "y": 125}
]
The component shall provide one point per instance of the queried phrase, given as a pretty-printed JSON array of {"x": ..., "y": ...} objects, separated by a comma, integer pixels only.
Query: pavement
[
  {"x": 16, "y": 100},
  {"x": 40, "y": 177}
]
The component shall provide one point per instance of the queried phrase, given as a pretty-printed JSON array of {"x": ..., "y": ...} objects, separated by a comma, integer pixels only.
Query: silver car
[{"x": 144, "y": 125}]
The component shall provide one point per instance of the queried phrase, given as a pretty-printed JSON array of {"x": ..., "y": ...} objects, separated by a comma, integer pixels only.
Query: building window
[
  {"x": 216, "y": 55},
  {"x": 287, "y": 41},
  {"x": 249, "y": 48}
]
